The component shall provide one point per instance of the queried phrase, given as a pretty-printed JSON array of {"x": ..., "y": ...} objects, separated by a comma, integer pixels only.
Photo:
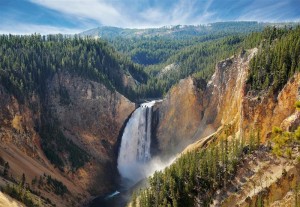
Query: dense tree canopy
[
  {"x": 26, "y": 62},
  {"x": 277, "y": 60},
  {"x": 198, "y": 60},
  {"x": 195, "y": 177}
]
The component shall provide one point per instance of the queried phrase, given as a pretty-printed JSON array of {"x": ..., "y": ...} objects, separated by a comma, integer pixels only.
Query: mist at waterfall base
[{"x": 135, "y": 162}]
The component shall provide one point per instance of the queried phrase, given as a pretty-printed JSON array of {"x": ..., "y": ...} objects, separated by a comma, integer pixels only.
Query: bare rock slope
[
  {"x": 88, "y": 114},
  {"x": 193, "y": 109},
  {"x": 196, "y": 112}
]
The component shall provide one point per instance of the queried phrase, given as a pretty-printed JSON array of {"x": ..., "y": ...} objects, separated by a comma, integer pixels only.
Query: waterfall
[{"x": 134, "y": 153}]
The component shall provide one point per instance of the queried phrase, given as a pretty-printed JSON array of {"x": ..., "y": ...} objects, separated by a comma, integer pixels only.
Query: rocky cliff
[
  {"x": 92, "y": 119},
  {"x": 262, "y": 178},
  {"x": 193, "y": 110},
  {"x": 7, "y": 201},
  {"x": 89, "y": 116},
  {"x": 179, "y": 116}
]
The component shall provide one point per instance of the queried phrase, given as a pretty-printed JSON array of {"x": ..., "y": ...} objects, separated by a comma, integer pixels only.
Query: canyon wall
[
  {"x": 194, "y": 109},
  {"x": 200, "y": 113},
  {"x": 87, "y": 113}
]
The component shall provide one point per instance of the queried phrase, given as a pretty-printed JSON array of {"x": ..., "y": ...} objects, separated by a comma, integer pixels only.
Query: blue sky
[{"x": 72, "y": 16}]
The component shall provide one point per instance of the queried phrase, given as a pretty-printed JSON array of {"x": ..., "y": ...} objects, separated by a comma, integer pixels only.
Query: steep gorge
[
  {"x": 91, "y": 118},
  {"x": 64, "y": 101},
  {"x": 194, "y": 109},
  {"x": 72, "y": 131},
  {"x": 226, "y": 102}
]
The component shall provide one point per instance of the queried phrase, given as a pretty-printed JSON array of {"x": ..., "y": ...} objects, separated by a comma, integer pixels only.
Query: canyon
[
  {"x": 191, "y": 115},
  {"x": 92, "y": 120},
  {"x": 197, "y": 114}
]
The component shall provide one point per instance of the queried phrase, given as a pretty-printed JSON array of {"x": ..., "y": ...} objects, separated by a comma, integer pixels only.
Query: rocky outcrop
[
  {"x": 226, "y": 103},
  {"x": 180, "y": 114},
  {"x": 263, "y": 112},
  {"x": 193, "y": 110},
  {"x": 7, "y": 201},
  {"x": 291, "y": 123},
  {"x": 169, "y": 68},
  {"x": 21, "y": 146},
  {"x": 18, "y": 121},
  {"x": 262, "y": 176},
  {"x": 87, "y": 113},
  {"x": 92, "y": 118}
]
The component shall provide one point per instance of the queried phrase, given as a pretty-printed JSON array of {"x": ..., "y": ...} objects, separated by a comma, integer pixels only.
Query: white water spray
[
  {"x": 135, "y": 161},
  {"x": 134, "y": 152}
]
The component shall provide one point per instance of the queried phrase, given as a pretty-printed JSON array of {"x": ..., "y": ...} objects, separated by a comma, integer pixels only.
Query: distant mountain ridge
[{"x": 180, "y": 31}]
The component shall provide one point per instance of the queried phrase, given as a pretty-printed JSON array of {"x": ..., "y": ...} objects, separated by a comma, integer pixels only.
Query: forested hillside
[
  {"x": 196, "y": 177},
  {"x": 65, "y": 104},
  {"x": 154, "y": 46},
  {"x": 277, "y": 60},
  {"x": 183, "y": 50},
  {"x": 198, "y": 60},
  {"x": 157, "y": 49},
  {"x": 179, "y": 31},
  {"x": 29, "y": 66},
  {"x": 28, "y": 61},
  {"x": 203, "y": 171}
]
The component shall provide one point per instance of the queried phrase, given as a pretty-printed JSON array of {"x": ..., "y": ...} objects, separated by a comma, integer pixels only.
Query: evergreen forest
[{"x": 155, "y": 62}]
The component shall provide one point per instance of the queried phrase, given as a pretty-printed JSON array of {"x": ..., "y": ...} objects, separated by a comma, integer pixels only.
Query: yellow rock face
[
  {"x": 189, "y": 113},
  {"x": 91, "y": 118},
  {"x": 16, "y": 123},
  {"x": 7, "y": 201},
  {"x": 180, "y": 116},
  {"x": 225, "y": 101},
  {"x": 194, "y": 110}
]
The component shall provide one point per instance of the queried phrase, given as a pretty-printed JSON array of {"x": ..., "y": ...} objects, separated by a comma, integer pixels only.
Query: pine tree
[
  {"x": 23, "y": 180},
  {"x": 5, "y": 169}
]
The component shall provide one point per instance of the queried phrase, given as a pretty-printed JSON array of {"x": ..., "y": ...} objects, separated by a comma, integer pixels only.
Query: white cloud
[
  {"x": 153, "y": 16},
  {"x": 262, "y": 11},
  {"x": 86, "y": 14},
  {"x": 191, "y": 14},
  {"x": 114, "y": 13},
  {"x": 97, "y": 10},
  {"x": 207, "y": 6},
  {"x": 184, "y": 12}
]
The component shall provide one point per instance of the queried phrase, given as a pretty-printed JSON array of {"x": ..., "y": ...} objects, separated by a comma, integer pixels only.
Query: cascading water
[
  {"x": 134, "y": 152},
  {"x": 134, "y": 161}
]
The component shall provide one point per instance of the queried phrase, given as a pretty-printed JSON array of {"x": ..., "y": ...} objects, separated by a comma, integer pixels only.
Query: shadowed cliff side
[
  {"x": 89, "y": 119},
  {"x": 92, "y": 119},
  {"x": 179, "y": 116},
  {"x": 226, "y": 103},
  {"x": 62, "y": 106},
  {"x": 193, "y": 110}
]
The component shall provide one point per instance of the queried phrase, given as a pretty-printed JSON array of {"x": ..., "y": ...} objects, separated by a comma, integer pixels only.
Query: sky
[{"x": 74, "y": 16}]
